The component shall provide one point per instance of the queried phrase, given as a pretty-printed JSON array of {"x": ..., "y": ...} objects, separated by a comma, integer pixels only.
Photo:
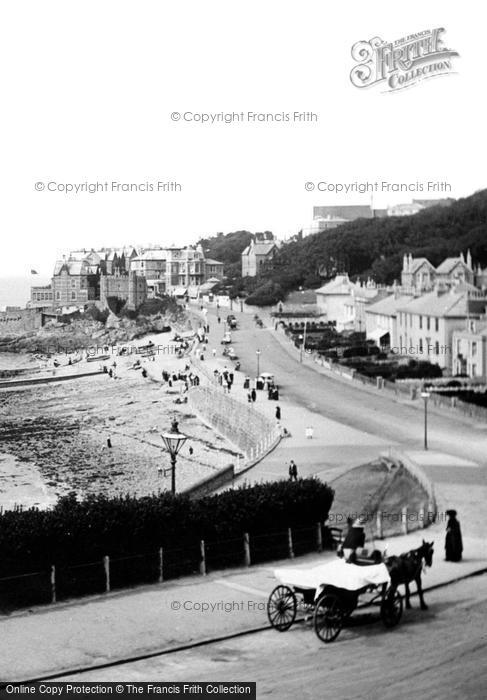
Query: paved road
[
  {"x": 435, "y": 654},
  {"x": 389, "y": 421}
]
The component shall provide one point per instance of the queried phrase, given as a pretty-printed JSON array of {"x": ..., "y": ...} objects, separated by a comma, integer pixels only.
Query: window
[
  {"x": 474, "y": 348},
  {"x": 428, "y": 323},
  {"x": 437, "y": 348},
  {"x": 73, "y": 283},
  {"x": 73, "y": 295},
  {"x": 420, "y": 322},
  {"x": 420, "y": 346},
  {"x": 57, "y": 295},
  {"x": 437, "y": 324},
  {"x": 474, "y": 370}
]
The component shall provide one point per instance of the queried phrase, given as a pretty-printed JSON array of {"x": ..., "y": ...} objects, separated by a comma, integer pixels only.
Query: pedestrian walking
[
  {"x": 249, "y": 397},
  {"x": 453, "y": 540},
  {"x": 253, "y": 394},
  {"x": 293, "y": 471},
  {"x": 109, "y": 443},
  {"x": 219, "y": 319},
  {"x": 278, "y": 413}
]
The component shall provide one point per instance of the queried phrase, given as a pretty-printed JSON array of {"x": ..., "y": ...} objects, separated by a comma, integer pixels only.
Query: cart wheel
[
  {"x": 281, "y": 608},
  {"x": 391, "y": 608},
  {"x": 328, "y": 617}
]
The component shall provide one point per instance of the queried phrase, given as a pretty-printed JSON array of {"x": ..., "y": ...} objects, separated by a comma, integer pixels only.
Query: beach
[{"x": 102, "y": 434}]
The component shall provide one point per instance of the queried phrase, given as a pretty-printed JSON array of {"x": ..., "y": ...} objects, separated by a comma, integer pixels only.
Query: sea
[{"x": 15, "y": 291}]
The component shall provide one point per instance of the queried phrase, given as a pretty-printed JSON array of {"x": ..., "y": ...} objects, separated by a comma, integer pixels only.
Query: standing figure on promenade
[
  {"x": 253, "y": 394},
  {"x": 293, "y": 471},
  {"x": 278, "y": 413},
  {"x": 453, "y": 540}
]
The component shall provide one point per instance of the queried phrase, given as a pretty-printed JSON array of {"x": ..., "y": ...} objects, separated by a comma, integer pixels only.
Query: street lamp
[
  {"x": 173, "y": 442},
  {"x": 257, "y": 352},
  {"x": 425, "y": 395},
  {"x": 302, "y": 338}
]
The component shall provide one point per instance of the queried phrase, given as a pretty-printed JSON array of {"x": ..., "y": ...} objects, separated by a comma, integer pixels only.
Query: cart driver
[{"x": 354, "y": 539}]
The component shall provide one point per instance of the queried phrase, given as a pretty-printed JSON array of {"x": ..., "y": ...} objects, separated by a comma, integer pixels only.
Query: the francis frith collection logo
[{"x": 402, "y": 63}]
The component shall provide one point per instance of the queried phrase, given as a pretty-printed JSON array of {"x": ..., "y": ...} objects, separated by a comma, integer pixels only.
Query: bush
[
  {"x": 419, "y": 370},
  {"x": 159, "y": 305},
  {"x": 266, "y": 294},
  {"x": 93, "y": 313},
  {"x": 76, "y": 532}
]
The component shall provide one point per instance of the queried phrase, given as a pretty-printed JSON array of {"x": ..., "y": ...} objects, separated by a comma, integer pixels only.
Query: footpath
[{"x": 101, "y": 630}]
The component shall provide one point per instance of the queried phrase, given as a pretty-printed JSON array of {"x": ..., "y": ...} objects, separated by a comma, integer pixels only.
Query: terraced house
[{"x": 426, "y": 324}]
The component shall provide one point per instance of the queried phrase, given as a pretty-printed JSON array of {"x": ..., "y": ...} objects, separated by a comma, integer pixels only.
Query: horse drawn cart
[{"x": 332, "y": 592}]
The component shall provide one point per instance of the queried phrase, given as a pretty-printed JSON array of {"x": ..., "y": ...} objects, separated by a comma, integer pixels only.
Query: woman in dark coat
[{"x": 453, "y": 540}]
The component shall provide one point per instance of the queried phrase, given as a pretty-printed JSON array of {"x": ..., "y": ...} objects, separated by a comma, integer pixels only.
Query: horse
[{"x": 408, "y": 567}]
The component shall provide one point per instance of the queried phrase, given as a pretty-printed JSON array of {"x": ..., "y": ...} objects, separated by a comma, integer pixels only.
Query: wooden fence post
[
  {"x": 290, "y": 543},
  {"x": 53, "y": 584},
  {"x": 404, "y": 520},
  {"x": 246, "y": 549},
  {"x": 379, "y": 525},
  {"x": 161, "y": 565},
  {"x": 319, "y": 538},
  {"x": 202, "y": 558},
  {"x": 106, "y": 566}
]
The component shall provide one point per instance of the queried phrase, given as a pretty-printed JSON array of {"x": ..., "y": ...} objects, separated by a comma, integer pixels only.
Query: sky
[{"x": 90, "y": 89}]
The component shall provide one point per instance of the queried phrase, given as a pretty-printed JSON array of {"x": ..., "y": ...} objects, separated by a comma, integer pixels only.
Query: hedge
[{"x": 79, "y": 531}]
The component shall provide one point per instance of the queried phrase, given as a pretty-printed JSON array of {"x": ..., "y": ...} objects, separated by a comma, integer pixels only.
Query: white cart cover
[{"x": 335, "y": 573}]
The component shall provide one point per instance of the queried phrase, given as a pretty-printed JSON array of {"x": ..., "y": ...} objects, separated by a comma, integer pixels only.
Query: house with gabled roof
[
  {"x": 425, "y": 324},
  {"x": 456, "y": 270},
  {"x": 417, "y": 273},
  {"x": 257, "y": 256}
]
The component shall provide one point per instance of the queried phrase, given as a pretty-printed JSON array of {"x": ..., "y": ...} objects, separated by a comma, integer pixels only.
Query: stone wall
[
  {"x": 245, "y": 426},
  {"x": 19, "y": 321}
]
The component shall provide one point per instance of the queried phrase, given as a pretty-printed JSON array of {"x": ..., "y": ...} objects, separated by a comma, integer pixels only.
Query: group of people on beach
[{"x": 188, "y": 377}]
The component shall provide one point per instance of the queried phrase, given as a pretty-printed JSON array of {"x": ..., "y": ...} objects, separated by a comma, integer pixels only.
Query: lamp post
[
  {"x": 257, "y": 352},
  {"x": 302, "y": 338},
  {"x": 173, "y": 442},
  {"x": 425, "y": 395}
]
